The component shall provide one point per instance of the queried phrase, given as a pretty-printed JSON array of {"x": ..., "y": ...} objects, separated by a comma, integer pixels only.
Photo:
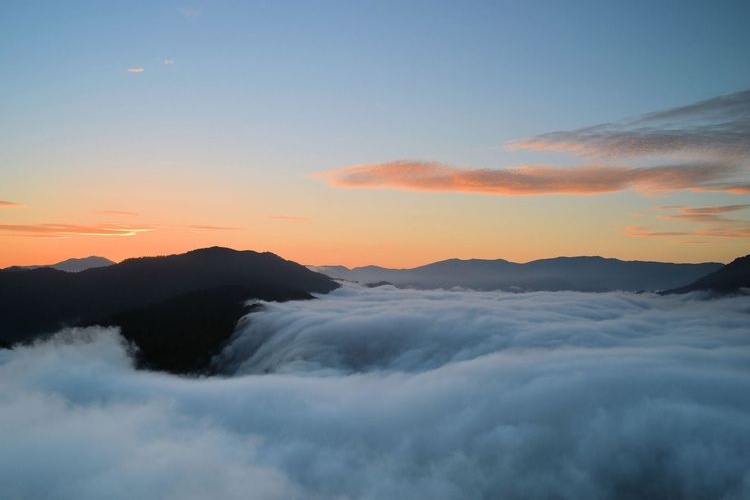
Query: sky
[{"x": 389, "y": 133}]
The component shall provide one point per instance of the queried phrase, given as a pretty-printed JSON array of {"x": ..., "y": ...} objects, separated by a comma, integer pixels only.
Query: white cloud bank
[{"x": 389, "y": 393}]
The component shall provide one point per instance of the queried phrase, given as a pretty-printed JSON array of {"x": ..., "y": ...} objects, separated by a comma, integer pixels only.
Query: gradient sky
[{"x": 391, "y": 133}]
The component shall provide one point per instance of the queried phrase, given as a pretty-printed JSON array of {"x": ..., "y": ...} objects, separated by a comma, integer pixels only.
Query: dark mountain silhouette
[
  {"x": 590, "y": 274},
  {"x": 729, "y": 279},
  {"x": 163, "y": 303},
  {"x": 70, "y": 265}
]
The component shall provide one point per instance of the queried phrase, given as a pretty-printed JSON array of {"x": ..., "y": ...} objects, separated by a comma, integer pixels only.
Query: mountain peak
[{"x": 729, "y": 279}]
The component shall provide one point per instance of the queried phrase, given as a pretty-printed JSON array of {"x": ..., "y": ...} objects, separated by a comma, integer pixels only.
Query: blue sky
[{"x": 267, "y": 93}]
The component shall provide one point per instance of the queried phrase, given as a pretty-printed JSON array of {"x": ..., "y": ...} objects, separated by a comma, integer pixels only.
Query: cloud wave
[{"x": 377, "y": 393}]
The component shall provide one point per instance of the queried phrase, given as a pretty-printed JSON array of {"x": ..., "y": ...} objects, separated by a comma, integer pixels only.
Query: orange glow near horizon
[{"x": 352, "y": 253}]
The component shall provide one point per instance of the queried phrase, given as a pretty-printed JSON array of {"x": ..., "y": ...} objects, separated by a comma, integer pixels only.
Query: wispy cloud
[
  {"x": 11, "y": 204},
  {"x": 701, "y": 214},
  {"x": 718, "y": 126},
  {"x": 714, "y": 232},
  {"x": 63, "y": 230},
  {"x": 710, "y": 221},
  {"x": 292, "y": 218},
  {"x": 531, "y": 180},
  {"x": 168, "y": 62},
  {"x": 711, "y": 138},
  {"x": 136, "y": 70}
]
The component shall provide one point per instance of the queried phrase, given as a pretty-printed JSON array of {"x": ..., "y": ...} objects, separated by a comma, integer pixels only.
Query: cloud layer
[
  {"x": 395, "y": 393},
  {"x": 532, "y": 180}
]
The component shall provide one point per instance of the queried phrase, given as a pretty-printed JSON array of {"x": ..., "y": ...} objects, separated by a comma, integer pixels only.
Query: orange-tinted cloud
[
  {"x": 533, "y": 180},
  {"x": 710, "y": 220},
  {"x": 64, "y": 230},
  {"x": 10, "y": 204},
  {"x": 714, "y": 232},
  {"x": 701, "y": 214}
]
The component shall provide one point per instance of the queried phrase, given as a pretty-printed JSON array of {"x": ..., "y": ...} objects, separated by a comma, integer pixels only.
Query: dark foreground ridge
[
  {"x": 727, "y": 280},
  {"x": 178, "y": 310},
  {"x": 584, "y": 274}
]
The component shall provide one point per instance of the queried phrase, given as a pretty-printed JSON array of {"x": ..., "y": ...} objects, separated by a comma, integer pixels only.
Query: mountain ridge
[
  {"x": 729, "y": 279},
  {"x": 582, "y": 273},
  {"x": 72, "y": 265},
  {"x": 40, "y": 301}
]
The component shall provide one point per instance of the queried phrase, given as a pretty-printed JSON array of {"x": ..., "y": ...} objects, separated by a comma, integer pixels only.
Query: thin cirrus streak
[
  {"x": 702, "y": 214},
  {"x": 716, "y": 210},
  {"x": 63, "y": 230},
  {"x": 711, "y": 221},
  {"x": 10, "y": 204},
  {"x": 719, "y": 126},
  {"x": 533, "y": 180},
  {"x": 136, "y": 70},
  {"x": 722, "y": 231}
]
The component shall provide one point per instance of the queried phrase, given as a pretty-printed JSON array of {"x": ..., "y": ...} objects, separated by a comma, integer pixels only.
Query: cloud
[
  {"x": 725, "y": 231},
  {"x": 168, "y": 62},
  {"x": 531, "y": 180},
  {"x": 11, "y": 204},
  {"x": 396, "y": 393},
  {"x": 63, "y": 230},
  {"x": 719, "y": 126},
  {"x": 711, "y": 222},
  {"x": 68, "y": 230},
  {"x": 136, "y": 70},
  {"x": 702, "y": 214},
  {"x": 292, "y": 218},
  {"x": 711, "y": 138}
]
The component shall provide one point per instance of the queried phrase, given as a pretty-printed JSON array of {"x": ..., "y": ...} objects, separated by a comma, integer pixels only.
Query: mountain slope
[
  {"x": 728, "y": 279},
  {"x": 562, "y": 273},
  {"x": 43, "y": 300}
]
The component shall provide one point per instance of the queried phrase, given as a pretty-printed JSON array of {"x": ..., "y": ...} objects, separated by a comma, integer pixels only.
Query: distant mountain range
[
  {"x": 177, "y": 309},
  {"x": 588, "y": 274},
  {"x": 729, "y": 279},
  {"x": 70, "y": 265}
]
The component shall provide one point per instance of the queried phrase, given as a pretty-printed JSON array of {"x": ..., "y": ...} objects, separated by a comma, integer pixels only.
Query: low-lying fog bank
[{"x": 377, "y": 393}]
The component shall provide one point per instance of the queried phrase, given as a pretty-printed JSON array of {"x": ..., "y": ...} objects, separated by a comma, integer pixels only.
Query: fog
[{"x": 378, "y": 393}]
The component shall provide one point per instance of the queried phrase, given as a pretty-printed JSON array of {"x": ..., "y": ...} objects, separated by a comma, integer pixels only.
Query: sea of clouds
[{"x": 387, "y": 393}]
